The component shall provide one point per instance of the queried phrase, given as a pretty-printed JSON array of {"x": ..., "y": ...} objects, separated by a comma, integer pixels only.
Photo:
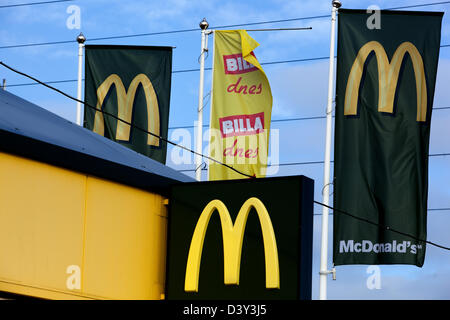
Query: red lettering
[
  {"x": 238, "y": 125},
  {"x": 238, "y": 150},
  {"x": 235, "y": 64},
  {"x": 229, "y": 151},
  {"x": 242, "y": 88},
  {"x": 238, "y": 88},
  {"x": 232, "y": 87}
]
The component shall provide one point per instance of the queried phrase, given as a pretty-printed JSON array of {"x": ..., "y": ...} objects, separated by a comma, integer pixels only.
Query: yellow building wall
[{"x": 52, "y": 219}]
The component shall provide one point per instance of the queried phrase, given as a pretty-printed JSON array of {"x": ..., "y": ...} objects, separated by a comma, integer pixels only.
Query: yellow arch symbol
[
  {"x": 233, "y": 236},
  {"x": 125, "y": 102},
  {"x": 388, "y": 78}
]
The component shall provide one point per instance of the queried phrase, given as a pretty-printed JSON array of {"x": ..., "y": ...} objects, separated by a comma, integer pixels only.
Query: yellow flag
[{"x": 241, "y": 108}]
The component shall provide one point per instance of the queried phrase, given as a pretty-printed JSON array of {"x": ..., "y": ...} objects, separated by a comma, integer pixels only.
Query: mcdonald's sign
[
  {"x": 257, "y": 246},
  {"x": 388, "y": 74},
  {"x": 125, "y": 104},
  {"x": 385, "y": 81},
  {"x": 233, "y": 236},
  {"x": 132, "y": 83}
]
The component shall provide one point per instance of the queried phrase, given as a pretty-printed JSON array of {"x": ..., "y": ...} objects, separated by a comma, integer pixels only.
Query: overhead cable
[
  {"x": 196, "y": 29},
  {"x": 124, "y": 121}
]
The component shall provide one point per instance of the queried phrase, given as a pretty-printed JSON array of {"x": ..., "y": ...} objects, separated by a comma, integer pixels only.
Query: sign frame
[{"x": 176, "y": 266}]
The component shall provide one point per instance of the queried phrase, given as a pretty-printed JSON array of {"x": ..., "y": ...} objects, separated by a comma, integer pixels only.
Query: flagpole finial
[
  {"x": 204, "y": 24},
  {"x": 337, "y": 4},
  {"x": 81, "y": 38}
]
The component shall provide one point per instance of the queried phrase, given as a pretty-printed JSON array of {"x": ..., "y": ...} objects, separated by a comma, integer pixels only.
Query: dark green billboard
[
  {"x": 384, "y": 96},
  {"x": 241, "y": 239},
  {"x": 133, "y": 84}
]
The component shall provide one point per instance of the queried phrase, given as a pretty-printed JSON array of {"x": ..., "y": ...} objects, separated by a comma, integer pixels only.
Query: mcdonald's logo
[
  {"x": 388, "y": 73},
  {"x": 125, "y": 100},
  {"x": 233, "y": 236}
]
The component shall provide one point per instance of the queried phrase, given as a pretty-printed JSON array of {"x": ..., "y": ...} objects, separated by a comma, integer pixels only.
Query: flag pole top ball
[
  {"x": 81, "y": 38},
  {"x": 204, "y": 24},
  {"x": 337, "y": 4}
]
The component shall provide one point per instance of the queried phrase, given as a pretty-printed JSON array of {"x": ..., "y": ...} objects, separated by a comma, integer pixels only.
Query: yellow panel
[
  {"x": 125, "y": 245},
  {"x": 40, "y": 292},
  {"x": 52, "y": 218},
  {"x": 41, "y": 222}
]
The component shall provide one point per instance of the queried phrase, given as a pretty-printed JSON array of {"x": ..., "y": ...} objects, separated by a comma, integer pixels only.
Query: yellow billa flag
[{"x": 240, "y": 110}]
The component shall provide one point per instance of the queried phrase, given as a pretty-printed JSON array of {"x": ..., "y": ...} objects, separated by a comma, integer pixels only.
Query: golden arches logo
[
  {"x": 125, "y": 100},
  {"x": 388, "y": 73},
  {"x": 233, "y": 236}
]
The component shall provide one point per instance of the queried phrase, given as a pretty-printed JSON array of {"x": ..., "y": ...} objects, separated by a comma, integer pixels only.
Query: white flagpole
[
  {"x": 198, "y": 159},
  {"x": 80, "y": 39},
  {"x": 326, "y": 172}
]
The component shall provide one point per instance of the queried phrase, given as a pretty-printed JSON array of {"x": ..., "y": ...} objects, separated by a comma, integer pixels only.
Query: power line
[
  {"x": 32, "y": 3},
  {"x": 126, "y": 122},
  {"x": 419, "y": 5},
  {"x": 174, "y": 71},
  {"x": 431, "y": 210},
  {"x": 196, "y": 29},
  {"x": 287, "y": 164},
  {"x": 185, "y": 70},
  {"x": 156, "y": 33},
  {"x": 439, "y": 154},
  {"x": 321, "y": 161},
  {"x": 439, "y": 209},
  {"x": 284, "y": 120},
  {"x": 272, "y": 121},
  {"x": 381, "y": 226},
  {"x": 192, "y": 151},
  {"x": 35, "y": 83}
]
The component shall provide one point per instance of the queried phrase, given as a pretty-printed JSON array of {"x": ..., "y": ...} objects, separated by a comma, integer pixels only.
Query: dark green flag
[
  {"x": 386, "y": 72},
  {"x": 133, "y": 84}
]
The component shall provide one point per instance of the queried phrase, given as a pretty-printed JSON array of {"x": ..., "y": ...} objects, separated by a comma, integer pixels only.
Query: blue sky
[{"x": 299, "y": 90}]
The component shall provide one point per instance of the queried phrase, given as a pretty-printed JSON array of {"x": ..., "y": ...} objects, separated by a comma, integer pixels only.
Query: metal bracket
[{"x": 332, "y": 271}]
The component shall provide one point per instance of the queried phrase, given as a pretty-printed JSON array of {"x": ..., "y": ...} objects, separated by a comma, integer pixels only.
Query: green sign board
[
  {"x": 241, "y": 239},
  {"x": 384, "y": 96},
  {"x": 131, "y": 83}
]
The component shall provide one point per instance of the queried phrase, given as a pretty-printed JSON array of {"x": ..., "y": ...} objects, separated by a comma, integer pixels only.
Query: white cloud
[{"x": 299, "y": 89}]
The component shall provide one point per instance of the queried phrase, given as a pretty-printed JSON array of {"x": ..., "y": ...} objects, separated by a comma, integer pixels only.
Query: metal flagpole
[
  {"x": 198, "y": 159},
  {"x": 80, "y": 39},
  {"x": 324, "y": 272}
]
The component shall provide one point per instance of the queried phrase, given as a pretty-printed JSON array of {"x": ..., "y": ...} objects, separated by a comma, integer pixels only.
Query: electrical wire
[
  {"x": 189, "y": 70},
  {"x": 207, "y": 157},
  {"x": 196, "y": 29},
  {"x": 381, "y": 226},
  {"x": 152, "y": 33},
  {"x": 431, "y": 209},
  {"x": 126, "y": 122},
  {"x": 419, "y": 5},
  {"x": 174, "y": 71},
  {"x": 32, "y": 3},
  {"x": 315, "y": 162}
]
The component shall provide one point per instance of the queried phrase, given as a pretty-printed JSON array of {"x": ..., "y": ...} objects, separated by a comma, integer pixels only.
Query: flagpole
[
  {"x": 324, "y": 272},
  {"x": 198, "y": 159},
  {"x": 80, "y": 39}
]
